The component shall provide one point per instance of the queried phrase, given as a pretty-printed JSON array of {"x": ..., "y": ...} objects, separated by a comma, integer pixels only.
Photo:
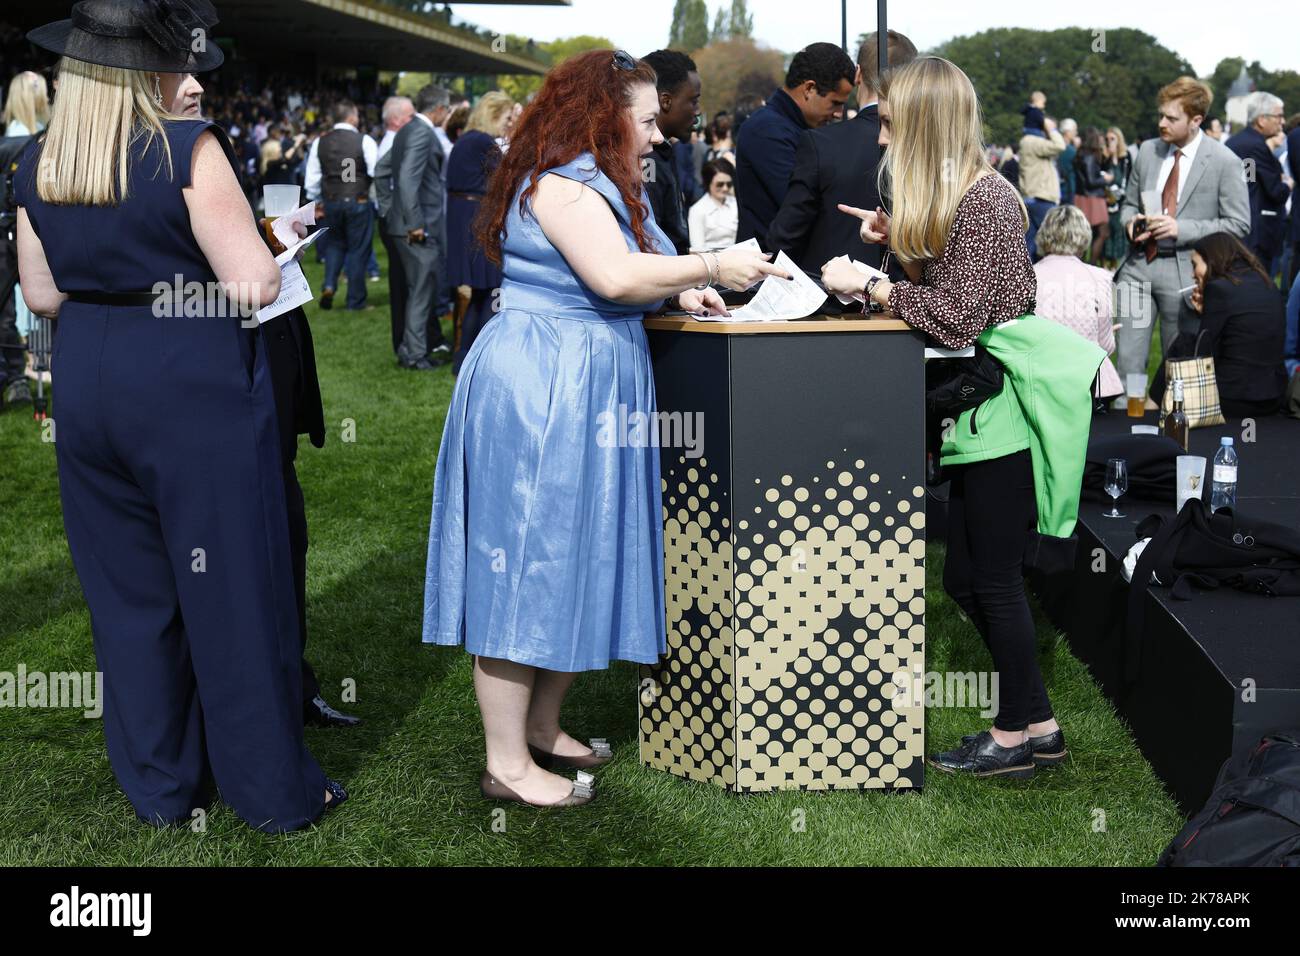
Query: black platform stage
[{"x": 1217, "y": 671}]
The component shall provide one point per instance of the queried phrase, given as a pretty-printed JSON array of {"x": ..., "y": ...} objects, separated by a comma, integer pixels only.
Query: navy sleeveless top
[{"x": 129, "y": 246}]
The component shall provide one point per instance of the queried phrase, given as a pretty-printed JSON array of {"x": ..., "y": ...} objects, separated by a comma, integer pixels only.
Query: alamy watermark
[
  {"x": 77, "y": 690},
  {"x": 637, "y": 429}
]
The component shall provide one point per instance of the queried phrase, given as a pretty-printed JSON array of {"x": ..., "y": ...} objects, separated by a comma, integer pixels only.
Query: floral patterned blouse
[{"x": 984, "y": 276}]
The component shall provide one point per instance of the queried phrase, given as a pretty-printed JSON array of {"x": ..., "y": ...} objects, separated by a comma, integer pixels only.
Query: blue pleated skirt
[{"x": 546, "y": 541}]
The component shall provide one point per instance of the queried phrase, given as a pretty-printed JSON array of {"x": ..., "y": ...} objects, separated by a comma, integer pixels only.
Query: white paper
[
  {"x": 297, "y": 244},
  {"x": 294, "y": 291},
  {"x": 283, "y": 227},
  {"x": 777, "y": 299}
]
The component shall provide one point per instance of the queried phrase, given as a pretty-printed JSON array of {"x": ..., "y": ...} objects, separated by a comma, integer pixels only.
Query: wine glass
[{"x": 1116, "y": 485}]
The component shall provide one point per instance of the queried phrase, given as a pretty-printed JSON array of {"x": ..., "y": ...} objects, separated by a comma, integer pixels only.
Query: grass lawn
[{"x": 412, "y": 768}]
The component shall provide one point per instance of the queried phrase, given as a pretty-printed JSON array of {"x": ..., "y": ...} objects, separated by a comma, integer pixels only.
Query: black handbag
[{"x": 953, "y": 386}]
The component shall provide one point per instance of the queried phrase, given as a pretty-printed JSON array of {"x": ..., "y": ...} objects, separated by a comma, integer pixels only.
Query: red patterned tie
[{"x": 1168, "y": 201}]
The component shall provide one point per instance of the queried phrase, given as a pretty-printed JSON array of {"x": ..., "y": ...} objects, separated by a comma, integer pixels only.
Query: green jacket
[{"x": 1045, "y": 405}]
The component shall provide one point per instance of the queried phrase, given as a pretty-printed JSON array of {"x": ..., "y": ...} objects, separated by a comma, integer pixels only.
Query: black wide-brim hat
[{"x": 164, "y": 36}]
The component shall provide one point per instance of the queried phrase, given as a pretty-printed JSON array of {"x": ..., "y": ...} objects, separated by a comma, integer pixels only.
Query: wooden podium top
[{"x": 814, "y": 323}]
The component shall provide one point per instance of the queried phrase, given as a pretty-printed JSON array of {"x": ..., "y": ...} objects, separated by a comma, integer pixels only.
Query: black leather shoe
[
  {"x": 326, "y": 298},
  {"x": 337, "y": 794},
  {"x": 982, "y": 756},
  {"x": 1049, "y": 749},
  {"x": 317, "y": 713}
]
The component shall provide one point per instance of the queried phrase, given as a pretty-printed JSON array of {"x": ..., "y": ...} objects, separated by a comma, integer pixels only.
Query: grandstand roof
[{"x": 340, "y": 33}]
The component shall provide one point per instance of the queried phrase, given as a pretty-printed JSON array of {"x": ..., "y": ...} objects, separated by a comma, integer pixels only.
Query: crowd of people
[{"x": 560, "y": 226}]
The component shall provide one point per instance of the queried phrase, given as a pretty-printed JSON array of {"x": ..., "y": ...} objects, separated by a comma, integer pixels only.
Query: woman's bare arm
[
  {"x": 224, "y": 228},
  {"x": 580, "y": 224},
  {"x": 39, "y": 291}
]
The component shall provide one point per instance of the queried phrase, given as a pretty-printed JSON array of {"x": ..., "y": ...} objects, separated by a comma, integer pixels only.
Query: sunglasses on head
[{"x": 624, "y": 61}]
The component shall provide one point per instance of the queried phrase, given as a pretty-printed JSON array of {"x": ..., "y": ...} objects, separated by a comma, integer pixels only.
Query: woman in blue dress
[{"x": 546, "y": 544}]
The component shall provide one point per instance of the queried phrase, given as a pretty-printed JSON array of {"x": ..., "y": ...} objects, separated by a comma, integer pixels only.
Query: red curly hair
[{"x": 581, "y": 107}]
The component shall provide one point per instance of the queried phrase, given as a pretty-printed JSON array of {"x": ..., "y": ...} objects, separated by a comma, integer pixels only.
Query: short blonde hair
[
  {"x": 1194, "y": 95},
  {"x": 490, "y": 112},
  {"x": 1064, "y": 232}
]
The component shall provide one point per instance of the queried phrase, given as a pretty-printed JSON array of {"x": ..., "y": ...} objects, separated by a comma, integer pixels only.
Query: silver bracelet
[
  {"x": 708, "y": 273},
  {"x": 717, "y": 269}
]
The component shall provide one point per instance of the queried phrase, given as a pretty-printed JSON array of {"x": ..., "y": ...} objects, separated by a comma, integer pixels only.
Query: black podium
[{"x": 794, "y": 538}]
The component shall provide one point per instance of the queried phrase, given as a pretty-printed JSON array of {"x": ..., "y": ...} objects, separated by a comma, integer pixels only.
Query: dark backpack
[{"x": 1253, "y": 816}]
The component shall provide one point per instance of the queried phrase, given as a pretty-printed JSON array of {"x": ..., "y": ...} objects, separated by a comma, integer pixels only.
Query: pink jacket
[{"x": 1080, "y": 297}]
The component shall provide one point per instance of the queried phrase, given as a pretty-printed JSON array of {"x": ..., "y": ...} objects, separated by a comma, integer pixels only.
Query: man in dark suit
[
  {"x": 419, "y": 205},
  {"x": 817, "y": 85},
  {"x": 837, "y": 164},
  {"x": 679, "y": 107},
  {"x": 1264, "y": 178}
]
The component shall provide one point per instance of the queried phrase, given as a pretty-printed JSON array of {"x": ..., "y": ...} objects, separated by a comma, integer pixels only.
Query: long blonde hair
[
  {"x": 99, "y": 113},
  {"x": 28, "y": 102},
  {"x": 490, "y": 112},
  {"x": 936, "y": 153},
  {"x": 1121, "y": 144}
]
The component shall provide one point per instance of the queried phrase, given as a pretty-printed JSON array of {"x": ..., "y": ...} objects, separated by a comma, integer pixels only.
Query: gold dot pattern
[
  {"x": 829, "y": 607},
  {"x": 793, "y": 686},
  {"x": 687, "y": 701}
]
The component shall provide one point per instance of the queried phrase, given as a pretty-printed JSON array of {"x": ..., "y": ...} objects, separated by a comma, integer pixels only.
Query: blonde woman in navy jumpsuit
[{"x": 166, "y": 434}]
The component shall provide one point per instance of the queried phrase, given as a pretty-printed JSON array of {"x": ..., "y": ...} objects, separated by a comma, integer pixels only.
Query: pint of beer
[{"x": 1137, "y": 394}]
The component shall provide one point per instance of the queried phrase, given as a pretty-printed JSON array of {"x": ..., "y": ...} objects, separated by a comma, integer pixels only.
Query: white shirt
[
  {"x": 369, "y": 149},
  {"x": 1184, "y": 165},
  {"x": 443, "y": 141},
  {"x": 386, "y": 143},
  {"x": 712, "y": 224}
]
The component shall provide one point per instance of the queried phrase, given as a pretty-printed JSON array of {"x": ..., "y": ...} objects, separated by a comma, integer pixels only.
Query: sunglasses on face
[{"x": 725, "y": 184}]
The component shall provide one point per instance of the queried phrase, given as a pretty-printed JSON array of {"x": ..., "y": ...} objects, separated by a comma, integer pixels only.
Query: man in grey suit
[
  {"x": 419, "y": 205},
  {"x": 397, "y": 112},
  {"x": 1201, "y": 190}
]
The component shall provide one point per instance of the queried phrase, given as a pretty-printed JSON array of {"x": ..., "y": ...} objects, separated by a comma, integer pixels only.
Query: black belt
[
  {"x": 472, "y": 197},
  {"x": 115, "y": 298}
]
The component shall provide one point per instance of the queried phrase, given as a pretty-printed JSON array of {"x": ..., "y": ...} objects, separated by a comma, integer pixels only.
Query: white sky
[{"x": 1203, "y": 31}]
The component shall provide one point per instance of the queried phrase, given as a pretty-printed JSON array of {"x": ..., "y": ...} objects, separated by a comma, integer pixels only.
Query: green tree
[
  {"x": 721, "y": 26},
  {"x": 742, "y": 21},
  {"x": 725, "y": 66},
  {"x": 1224, "y": 75},
  {"x": 676, "y": 28},
  {"x": 695, "y": 27},
  {"x": 1099, "y": 80},
  {"x": 520, "y": 88}
]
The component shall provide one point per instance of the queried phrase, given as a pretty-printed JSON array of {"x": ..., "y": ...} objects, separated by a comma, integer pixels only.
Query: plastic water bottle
[{"x": 1223, "y": 490}]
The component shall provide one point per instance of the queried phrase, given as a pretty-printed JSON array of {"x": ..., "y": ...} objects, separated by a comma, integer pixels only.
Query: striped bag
[{"x": 1200, "y": 389}]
